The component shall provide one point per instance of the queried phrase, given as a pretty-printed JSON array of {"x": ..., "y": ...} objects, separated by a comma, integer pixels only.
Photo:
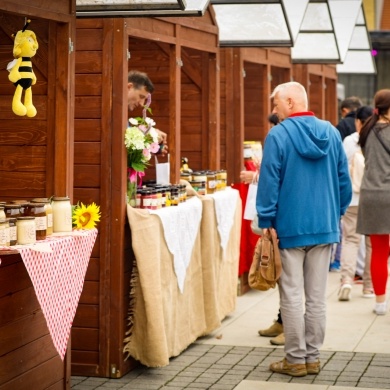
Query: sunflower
[{"x": 85, "y": 217}]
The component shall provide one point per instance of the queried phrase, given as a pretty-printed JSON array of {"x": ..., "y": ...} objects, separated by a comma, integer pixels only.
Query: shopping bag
[
  {"x": 250, "y": 206},
  {"x": 162, "y": 171}
]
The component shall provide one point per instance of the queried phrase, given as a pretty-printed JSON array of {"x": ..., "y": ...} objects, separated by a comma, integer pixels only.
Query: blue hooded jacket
[{"x": 304, "y": 185}]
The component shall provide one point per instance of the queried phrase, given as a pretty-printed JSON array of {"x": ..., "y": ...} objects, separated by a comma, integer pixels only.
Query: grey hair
[{"x": 296, "y": 89}]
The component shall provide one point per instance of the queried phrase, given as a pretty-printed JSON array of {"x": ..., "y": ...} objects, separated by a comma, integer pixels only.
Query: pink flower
[
  {"x": 154, "y": 147},
  {"x": 146, "y": 153}
]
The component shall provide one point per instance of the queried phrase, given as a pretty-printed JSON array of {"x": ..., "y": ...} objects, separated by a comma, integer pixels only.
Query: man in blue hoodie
[{"x": 304, "y": 189}]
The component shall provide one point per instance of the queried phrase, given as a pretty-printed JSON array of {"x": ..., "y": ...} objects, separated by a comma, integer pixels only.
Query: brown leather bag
[{"x": 266, "y": 264}]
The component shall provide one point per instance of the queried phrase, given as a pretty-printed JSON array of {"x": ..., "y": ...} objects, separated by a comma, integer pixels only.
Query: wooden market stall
[
  {"x": 181, "y": 57},
  {"x": 36, "y": 161}
]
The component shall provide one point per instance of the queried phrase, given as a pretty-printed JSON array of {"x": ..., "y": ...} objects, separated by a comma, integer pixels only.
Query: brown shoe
[
  {"x": 278, "y": 340},
  {"x": 284, "y": 367},
  {"x": 274, "y": 330},
  {"x": 313, "y": 368}
]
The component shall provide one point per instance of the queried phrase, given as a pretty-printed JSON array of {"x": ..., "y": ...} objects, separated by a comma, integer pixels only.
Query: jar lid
[
  {"x": 19, "y": 201},
  {"x": 40, "y": 200},
  {"x": 11, "y": 219},
  {"x": 24, "y": 218},
  {"x": 2, "y": 221},
  {"x": 35, "y": 204},
  {"x": 60, "y": 198},
  {"x": 12, "y": 206}
]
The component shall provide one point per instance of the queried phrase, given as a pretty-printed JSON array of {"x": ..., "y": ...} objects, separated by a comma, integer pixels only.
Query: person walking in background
[
  {"x": 374, "y": 202},
  {"x": 346, "y": 126},
  {"x": 352, "y": 240},
  {"x": 348, "y": 108},
  {"x": 305, "y": 173}
]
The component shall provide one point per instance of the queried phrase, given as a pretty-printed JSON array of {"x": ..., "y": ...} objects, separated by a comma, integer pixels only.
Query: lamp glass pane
[
  {"x": 344, "y": 14},
  {"x": 251, "y": 22},
  {"x": 319, "y": 46},
  {"x": 317, "y": 18},
  {"x": 359, "y": 61},
  {"x": 295, "y": 10},
  {"x": 359, "y": 38}
]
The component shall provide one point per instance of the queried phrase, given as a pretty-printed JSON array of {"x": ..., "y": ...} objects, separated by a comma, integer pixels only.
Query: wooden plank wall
[
  {"x": 25, "y": 143},
  {"x": 28, "y": 359},
  {"x": 88, "y": 342}
]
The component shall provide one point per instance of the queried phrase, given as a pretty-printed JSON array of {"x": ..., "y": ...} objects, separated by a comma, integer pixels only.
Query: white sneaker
[
  {"x": 368, "y": 293},
  {"x": 380, "y": 309},
  {"x": 345, "y": 292}
]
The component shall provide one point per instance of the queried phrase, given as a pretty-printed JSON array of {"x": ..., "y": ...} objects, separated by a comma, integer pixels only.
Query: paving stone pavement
[{"x": 216, "y": 367}]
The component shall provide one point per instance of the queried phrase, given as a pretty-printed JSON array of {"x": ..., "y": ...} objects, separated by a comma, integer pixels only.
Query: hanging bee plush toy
[{"x": 21, "y": 72}]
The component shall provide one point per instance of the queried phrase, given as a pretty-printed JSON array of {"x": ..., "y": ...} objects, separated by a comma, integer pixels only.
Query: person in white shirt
[{"x": 352, "y": 240}]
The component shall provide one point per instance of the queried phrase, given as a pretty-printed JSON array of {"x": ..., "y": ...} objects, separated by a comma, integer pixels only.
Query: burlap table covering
[{"x": 163, "y": 321}]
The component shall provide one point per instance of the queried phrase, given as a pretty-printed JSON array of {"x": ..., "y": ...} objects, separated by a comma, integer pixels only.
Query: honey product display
[
  {"x": 62, "y": 214},
  {"x": 48, "y": 212},
  {"x": 11, "y": 210},
  {"x": 38, "y": 211},
  {"x": 12, "y": 231},
  {"x": 25, "y": 230}
]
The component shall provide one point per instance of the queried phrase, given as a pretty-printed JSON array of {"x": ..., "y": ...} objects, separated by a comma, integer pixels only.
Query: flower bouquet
[{"x": 141, "y": 140}]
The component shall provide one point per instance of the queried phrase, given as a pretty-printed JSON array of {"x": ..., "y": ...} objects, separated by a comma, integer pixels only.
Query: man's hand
[
  {"x": 248, "y": 177},
  {"x": 163, "y": 142}
]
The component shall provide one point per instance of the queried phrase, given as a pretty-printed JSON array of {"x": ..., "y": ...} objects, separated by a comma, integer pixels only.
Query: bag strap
[{"x": 376, "y": 132}]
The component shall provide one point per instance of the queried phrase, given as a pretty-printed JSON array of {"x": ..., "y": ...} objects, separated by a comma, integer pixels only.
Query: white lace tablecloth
[
  {"x": 57, "y": 267},
  {"x": 181, "y": 226},
  {"x": 225, "y": 207}
]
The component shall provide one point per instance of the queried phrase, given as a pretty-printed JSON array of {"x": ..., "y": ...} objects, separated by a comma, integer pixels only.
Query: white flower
[
  {"x": 134, "y": 138},
  {"x": 133, "y": 121},
  {"x": 153, "y": 134},
  {"x": 150, "y": 122}
]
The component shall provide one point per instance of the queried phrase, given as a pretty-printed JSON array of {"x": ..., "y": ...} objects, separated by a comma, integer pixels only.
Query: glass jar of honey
[
  {"x": 48, "y": 212},
  {"x": 25, "y": 230},
  {"x": 62, "y": 214}
]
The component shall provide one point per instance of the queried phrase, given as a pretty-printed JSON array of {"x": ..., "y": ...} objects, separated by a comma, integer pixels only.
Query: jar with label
[
  {"x": 2, "y": 213},
  {"x": 49, "y": 214},
  {"x": 12, "y": 231},
  {"x": 11, "y": 210},
  {"x": 62, "y": 214},
  {"x": 25, "y": 230},
  {"x": 38, "y": 211},
  {"x": 27, "y": 209},
  {"x": 175, "y": 199},
  {"x": 3, "y": 241},
  {"x": 223, "y": 176},
  {"x": 199, "y": 176},
  {"x": 211, "y": 182},
  {"x": 146, "y": 200}
]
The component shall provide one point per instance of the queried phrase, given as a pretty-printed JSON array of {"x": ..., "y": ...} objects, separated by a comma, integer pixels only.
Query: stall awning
[
  {"x": 251, "y": 23},
  {"x": 316, "y": 41},
  {"x": 359, "y": 58},
  {"x": 128, "y": 8}
]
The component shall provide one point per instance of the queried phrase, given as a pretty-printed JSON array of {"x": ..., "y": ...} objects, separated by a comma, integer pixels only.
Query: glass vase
[{"x": 132, "y": 192}]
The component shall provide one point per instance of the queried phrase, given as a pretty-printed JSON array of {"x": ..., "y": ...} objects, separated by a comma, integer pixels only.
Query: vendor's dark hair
[
  {"x": 382, "y": 106},
  {"x": 139, "y": 80}
]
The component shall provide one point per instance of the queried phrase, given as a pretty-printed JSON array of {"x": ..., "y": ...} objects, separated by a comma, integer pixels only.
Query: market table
[
  {"x": 184, "y": 281},
  {"x": 40, "y": 286}
]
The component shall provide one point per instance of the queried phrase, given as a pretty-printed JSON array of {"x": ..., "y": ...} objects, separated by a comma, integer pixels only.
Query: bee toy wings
[{"x": 21, "y": 72}]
